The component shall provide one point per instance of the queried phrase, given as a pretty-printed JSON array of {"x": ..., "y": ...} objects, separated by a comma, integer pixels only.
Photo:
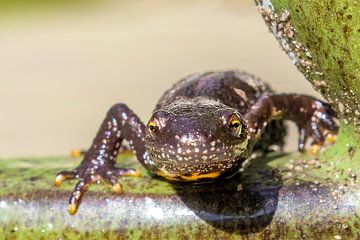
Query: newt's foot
[
  {"x": 316, "y": 148},
  {"x": 320, "y": 125},
  {"x": 88, "y": 174}
]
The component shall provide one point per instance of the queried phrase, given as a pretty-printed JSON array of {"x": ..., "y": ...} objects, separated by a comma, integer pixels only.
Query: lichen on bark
[{"x": 321, "y": 38}]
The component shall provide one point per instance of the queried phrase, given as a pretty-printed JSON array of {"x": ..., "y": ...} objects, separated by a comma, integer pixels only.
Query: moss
[
  {"x": 338, "y": 164},
  {"x": 24, "y": 175}
]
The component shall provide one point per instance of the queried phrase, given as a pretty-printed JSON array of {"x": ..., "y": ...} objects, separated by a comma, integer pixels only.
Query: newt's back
[{"x": 235, "y": 89}]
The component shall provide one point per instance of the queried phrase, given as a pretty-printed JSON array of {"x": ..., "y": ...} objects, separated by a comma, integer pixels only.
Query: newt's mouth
[
  {"x": 195, "y": 163},
  {"x": 203, "y": 172},
  {"x": 188, "y": 177}
]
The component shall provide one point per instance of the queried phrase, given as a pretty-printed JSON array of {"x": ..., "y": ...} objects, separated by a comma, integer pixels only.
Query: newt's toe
[
  {"x": 132, "y": 173},
  {"x": 75, "y": 198},
  {"x": 315, "y": 149},
  {"x": 128, "y": 172},
  {"x": 330, "y": 138},
  {"x": 76, "y": 153},
  {"x": 117, "y": 188},
  {"x": 64, "y": 175},
  {"x": 59, "y": 180},
  {"x": 72, "y": 209}
]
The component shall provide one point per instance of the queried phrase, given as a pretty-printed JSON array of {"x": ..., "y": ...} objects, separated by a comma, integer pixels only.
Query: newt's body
[{"x": 204, "y": 127}]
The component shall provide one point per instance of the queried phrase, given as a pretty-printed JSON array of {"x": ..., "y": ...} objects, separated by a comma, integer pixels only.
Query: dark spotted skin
[{"x": 204, "y": 127}]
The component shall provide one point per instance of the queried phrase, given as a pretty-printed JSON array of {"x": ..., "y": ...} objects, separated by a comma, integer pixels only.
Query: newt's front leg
[
  {"x": 313, "y": 117},
  {"x": 99, "y": 162}
]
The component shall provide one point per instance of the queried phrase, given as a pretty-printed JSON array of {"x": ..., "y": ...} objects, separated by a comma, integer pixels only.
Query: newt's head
[{"x": 195, "y": 139}]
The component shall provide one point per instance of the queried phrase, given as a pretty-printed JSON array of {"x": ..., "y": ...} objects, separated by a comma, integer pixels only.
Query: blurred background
[{"x": 63, "y": 64}]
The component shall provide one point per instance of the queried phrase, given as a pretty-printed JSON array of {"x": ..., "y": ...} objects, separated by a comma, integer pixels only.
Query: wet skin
[{"x": 203, "y": 128}]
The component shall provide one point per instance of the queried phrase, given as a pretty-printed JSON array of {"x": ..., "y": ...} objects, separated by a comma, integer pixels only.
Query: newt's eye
[
  {"x": 153, "y": 126},
  {"x": 234, "y": 124}
]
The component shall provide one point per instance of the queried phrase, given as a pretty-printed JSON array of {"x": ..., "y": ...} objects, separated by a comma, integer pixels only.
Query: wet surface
[{"x": 249, "y": 213}]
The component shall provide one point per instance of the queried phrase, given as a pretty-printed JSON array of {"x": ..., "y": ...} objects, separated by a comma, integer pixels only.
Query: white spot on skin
[
  {"x": 197, "y": 150},
  {"x": 241, "y": 93},
  {"x": 124, "y": 116},
  {"x": 213, "y": 143},
  {"x": 114, "y": 122}
]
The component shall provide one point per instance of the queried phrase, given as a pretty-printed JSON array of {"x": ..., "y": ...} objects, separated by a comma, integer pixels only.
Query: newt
[{"x": 202, "y": 128}]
